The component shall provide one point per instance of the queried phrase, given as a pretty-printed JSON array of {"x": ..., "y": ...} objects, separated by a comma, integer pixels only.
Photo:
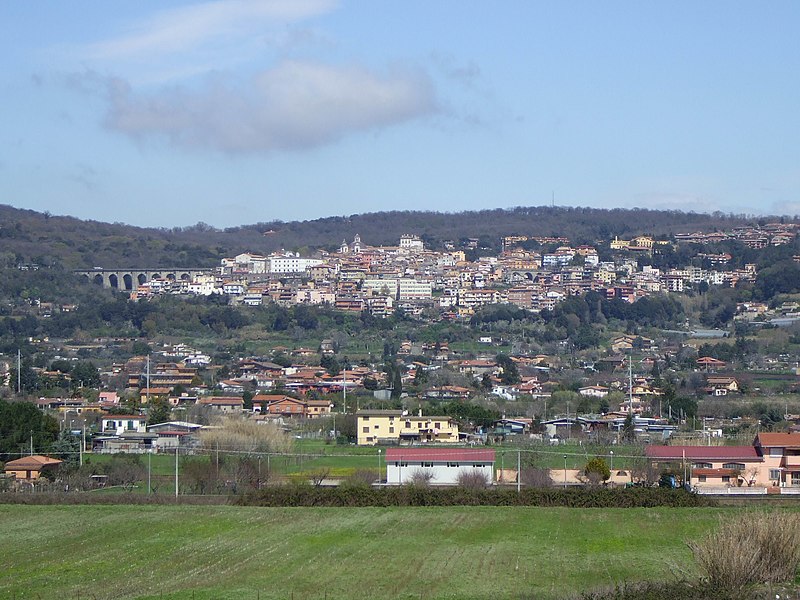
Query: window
[
  {"x": 701, "y": 478},
  {"x": 366, "y": 429},
  {"x": 775, "y": 474},
  {"x": 734, "y": 466},
  {"x": 452, "y": 464},
  {"x": 726, "y": 478},
  {"x": 403, "y": 464},
  {"x": 408, "y": 424},
  {"x": 702, "y": 465},
  {"x": 377, "y": 426},
  {"x": 365, "y": 418},
  {"x": 419, "y": 425},
  {"x": 776, "y": 451},
  {"x": 427, "y": 464},
  {"x": 437, "y": 425},
  {"x": 130, "y": 426},
  {"x": 391, "y": 429}
]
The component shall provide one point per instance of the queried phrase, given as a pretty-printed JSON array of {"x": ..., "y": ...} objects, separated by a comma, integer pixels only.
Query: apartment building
[{"x": 393, "y": 427}]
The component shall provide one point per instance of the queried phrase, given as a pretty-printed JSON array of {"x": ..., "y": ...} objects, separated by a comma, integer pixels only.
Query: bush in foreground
[{"x": 751, "y": 548}]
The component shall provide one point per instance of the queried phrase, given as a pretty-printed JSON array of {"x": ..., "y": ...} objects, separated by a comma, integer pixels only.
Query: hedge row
[
  {"x": 55, "y": 498},
  {"x": 307, "y": 495}
]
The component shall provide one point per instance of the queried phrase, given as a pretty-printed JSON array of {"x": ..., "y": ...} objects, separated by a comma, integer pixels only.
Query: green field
[{"x": 224, "y": 552}]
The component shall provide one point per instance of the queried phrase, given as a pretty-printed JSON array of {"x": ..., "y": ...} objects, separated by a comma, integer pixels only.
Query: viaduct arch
[{"x": 130, "y": 279}]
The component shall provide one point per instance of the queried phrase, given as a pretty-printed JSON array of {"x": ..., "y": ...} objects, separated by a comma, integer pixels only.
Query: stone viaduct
[{"x": 131, "y": 279}]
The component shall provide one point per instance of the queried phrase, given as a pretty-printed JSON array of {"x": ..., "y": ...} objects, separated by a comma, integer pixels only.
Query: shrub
[
  {"x": 474, "y": 480},
  {"x": 751, "y": 548},
  {"x": 420, "y": 478},
  {"x": 242, "y": 435},
  {"x": 596, "y": 470},
  {"x": 536, "y": 477},
  {"x": 362, "y": 477}
]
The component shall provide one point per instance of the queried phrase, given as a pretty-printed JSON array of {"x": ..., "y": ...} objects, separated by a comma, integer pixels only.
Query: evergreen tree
[
  {"x": 158, "y": 411},
  {"x": 510, "y": 373},
  {"x": 67, "y": 448}
]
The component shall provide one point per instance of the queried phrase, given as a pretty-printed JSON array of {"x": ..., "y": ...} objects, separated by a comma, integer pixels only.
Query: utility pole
[
  {"x": 519, "y": 471},
  {"x": 176, "y": 471},
  {"x": 148, "y": 384},
  {"x": 19, "y": 372},
  {"x": 149, "y": 487},
  {"x": 83, "y": 441},
  {"x": 630, "y": 382}
]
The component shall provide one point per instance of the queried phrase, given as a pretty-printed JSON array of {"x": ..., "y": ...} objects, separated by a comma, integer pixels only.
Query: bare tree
[
  {"x": 473, "y": 480},
  {"x": 319, "y": 477},
  {"x": 536, "y": 477},
  {"x": 362, "y": 477},
  {"x": 420, "y": 478}
]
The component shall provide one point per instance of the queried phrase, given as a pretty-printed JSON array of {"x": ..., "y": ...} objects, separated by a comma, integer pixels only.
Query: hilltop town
[{"x": 691, "y": 337}]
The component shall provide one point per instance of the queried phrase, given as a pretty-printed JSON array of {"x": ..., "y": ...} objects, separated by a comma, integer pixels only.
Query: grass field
[
  {"x": 312, "y": 456},
  {"x": 235, "y": 553}
]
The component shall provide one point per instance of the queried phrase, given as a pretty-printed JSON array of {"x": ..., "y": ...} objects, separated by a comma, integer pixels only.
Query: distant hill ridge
[{"x": 27, "y": 236}]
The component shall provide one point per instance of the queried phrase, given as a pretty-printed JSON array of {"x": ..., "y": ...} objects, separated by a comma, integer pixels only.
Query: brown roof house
[{"x": 30, "y": 468}]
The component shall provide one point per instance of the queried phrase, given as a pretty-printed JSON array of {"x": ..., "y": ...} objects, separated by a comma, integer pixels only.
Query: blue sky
[{"x": 165, "y": 113}]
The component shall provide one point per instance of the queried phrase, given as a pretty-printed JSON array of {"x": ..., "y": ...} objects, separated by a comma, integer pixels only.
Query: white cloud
[
  {"x": 293, "y": 106},
  {"x": 182, "y": 29}
]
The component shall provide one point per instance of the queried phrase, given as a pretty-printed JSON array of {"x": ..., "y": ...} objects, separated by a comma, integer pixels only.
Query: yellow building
[
  {"x": 618, "y": 244},
  {"x": 392, "y": 427},
  {"x": 642, "y": 241}
]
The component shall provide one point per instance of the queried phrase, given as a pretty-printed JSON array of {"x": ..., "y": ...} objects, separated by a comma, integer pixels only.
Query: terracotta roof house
[
  {"x": 721, "y": 386},
  {"x": 712, "y": 466},
  {"x": 781, "y": 454},
  {"x": 30, "y": 468},
  {"x": 711, "y": 364}
]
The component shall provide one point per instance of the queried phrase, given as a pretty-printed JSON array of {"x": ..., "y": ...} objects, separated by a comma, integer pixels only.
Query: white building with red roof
[{"x": 441, "y": 466}]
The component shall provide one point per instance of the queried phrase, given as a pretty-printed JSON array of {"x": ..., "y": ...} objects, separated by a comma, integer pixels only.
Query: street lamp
[
  {"x": 565, "y": 471},
  {"x": 612, "y": 461}
]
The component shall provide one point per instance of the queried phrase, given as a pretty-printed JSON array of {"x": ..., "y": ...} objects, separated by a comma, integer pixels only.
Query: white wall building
[
  {"x": 290, "y": 263},
  {"x": 411, "y": 242},
  {"x": 442, "y": 465},
  {"x": 414, "y": 289}
]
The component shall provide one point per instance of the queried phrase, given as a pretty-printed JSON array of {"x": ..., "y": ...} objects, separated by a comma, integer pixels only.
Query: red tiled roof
[
  {"x": 712, "y": 472},
  {"x": 440, "y": 454},
  {"x": 120, "y": 417},
  {"x": 702, "y": 452},
  {"x": 222, "y": 400},
  {"x": 31, "y": 463},
  {"x": 783, "y": 440}
]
